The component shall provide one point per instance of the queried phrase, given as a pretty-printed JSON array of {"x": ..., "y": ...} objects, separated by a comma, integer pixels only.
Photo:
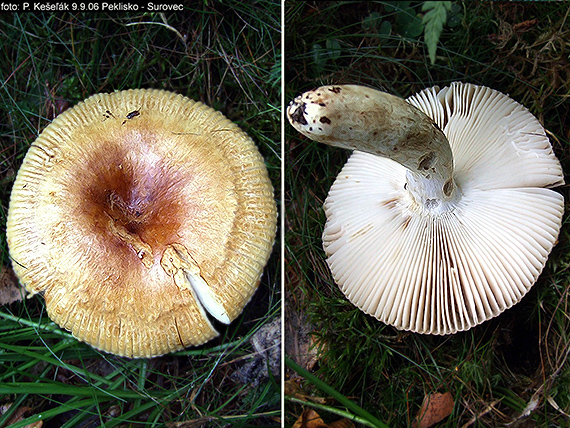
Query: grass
[
  {"x": 225, "y": 54},
  {"x": 512, "y": 369}
]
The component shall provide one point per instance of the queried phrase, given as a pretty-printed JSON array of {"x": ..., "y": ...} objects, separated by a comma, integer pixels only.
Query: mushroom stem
[{"x": 360, "y": 118}]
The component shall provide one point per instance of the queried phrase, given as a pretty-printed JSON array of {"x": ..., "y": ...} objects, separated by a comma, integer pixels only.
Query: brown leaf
[
  {"x": 524, "y": 26},
  {"x": 311, "y": 419},
  {"x": 20, "y": 414},
  {"x": 435, "y": 408},
  {"x": 341, "y": 423},
  {"x": 10, "y": 289},
  {"x": 293, "y": 389}
]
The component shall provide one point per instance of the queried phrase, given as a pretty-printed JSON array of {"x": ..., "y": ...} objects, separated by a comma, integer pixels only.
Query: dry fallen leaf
[
  {"x": 342, "y": 423},
  {"x": 20, "y": 414},
  {"x": 293, "y": 389},
  {"x": 10, "y": 289},
  {"x": 435, "y": 408},
  {"x": 311, "y": 419}
]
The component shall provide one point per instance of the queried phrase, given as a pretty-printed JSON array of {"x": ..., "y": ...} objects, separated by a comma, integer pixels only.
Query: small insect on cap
[{"x": 137, "y": 214}]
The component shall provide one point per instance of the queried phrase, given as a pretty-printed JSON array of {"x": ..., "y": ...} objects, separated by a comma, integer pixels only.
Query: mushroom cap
[
  {"x": 447, "y": 271},
  {"x": 138, "y": 212}
]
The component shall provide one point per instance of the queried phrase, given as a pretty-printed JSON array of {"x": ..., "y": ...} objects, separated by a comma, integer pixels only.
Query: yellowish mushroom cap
[{"x": 138, "y": 212}]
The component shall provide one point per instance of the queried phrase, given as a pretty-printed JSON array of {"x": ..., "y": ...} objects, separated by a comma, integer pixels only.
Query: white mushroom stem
[{"x": 359, "y": 118}]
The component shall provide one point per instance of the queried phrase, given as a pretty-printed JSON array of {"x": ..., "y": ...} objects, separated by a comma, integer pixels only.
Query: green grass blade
[{"x": 367, "y": 418}]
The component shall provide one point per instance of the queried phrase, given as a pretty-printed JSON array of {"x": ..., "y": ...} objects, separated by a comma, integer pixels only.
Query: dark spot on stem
[
  {"x": 448, "y": 187},
  {"x": 426, "y": 161},
  {"x": 298, "y": 115}
]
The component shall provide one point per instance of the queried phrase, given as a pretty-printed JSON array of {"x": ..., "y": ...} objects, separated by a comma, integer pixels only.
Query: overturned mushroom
[
  {"x": 442, "y": 218},
  {"x": 136, "y": 214}
]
